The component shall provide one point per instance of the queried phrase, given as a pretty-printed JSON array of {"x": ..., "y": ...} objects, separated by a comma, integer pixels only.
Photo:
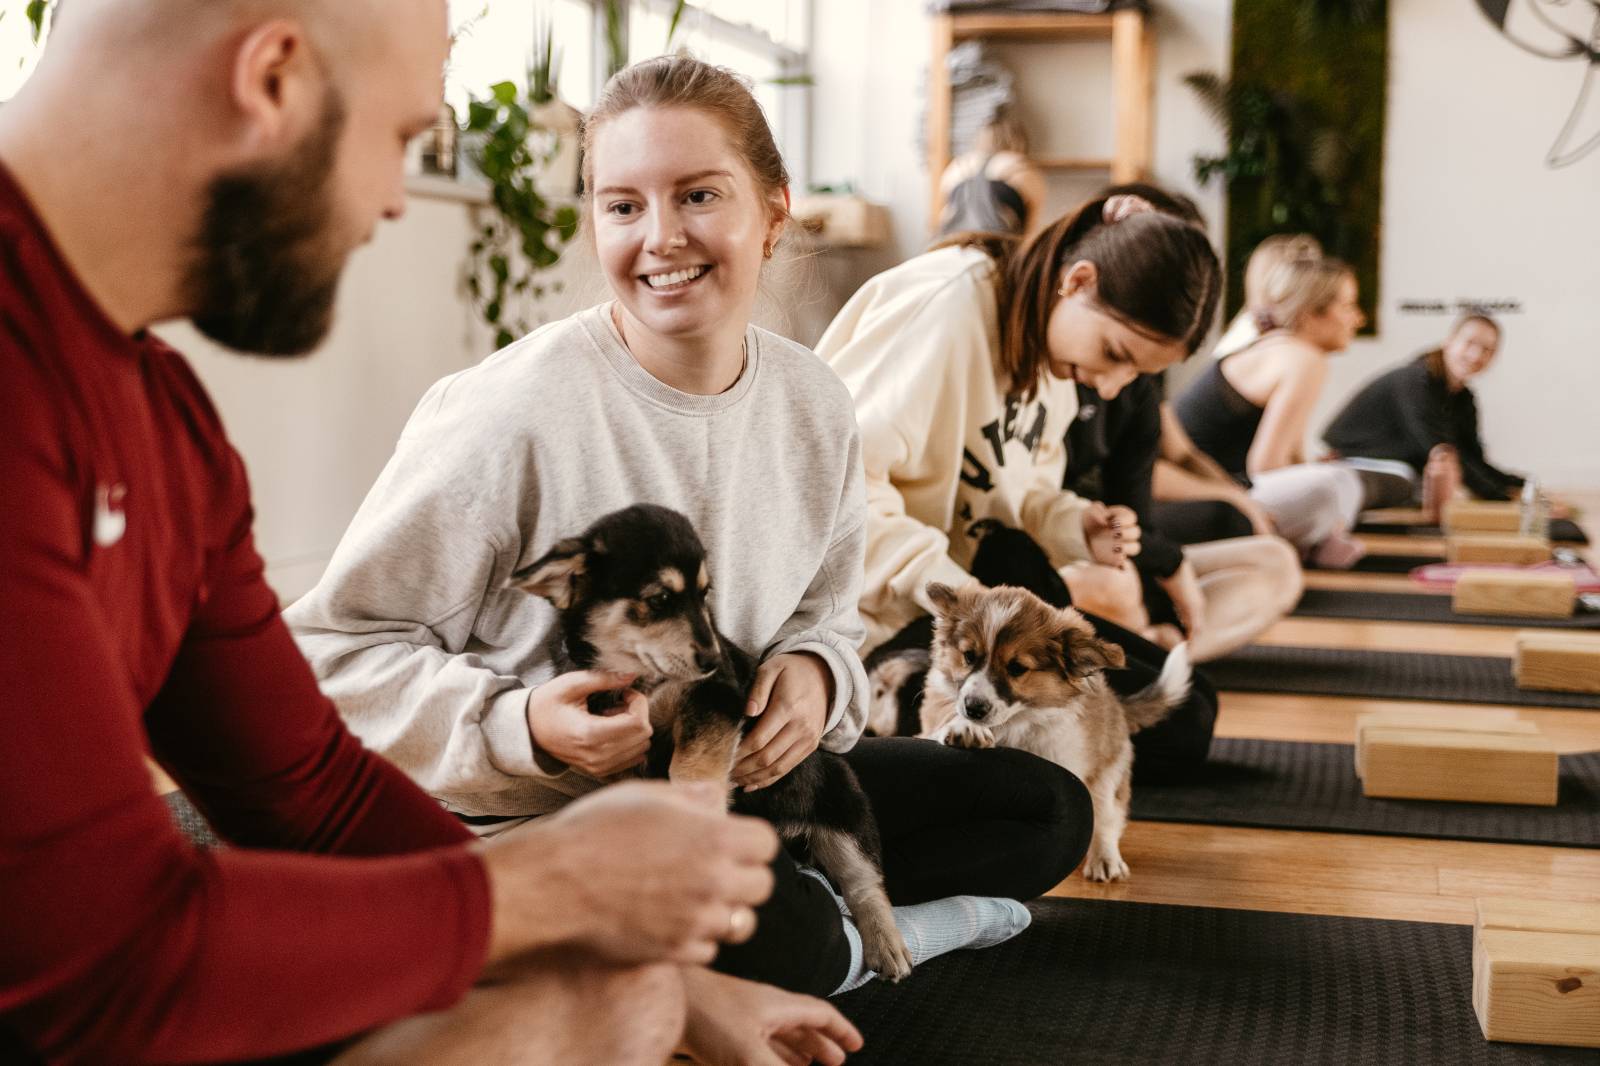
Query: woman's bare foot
[{"x": 1111, "y": 592}]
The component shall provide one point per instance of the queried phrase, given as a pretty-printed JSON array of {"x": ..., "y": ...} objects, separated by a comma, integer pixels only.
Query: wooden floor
[{"x": 1346, "y": 874}]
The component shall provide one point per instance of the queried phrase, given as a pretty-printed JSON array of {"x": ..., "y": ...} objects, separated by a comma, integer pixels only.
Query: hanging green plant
[
  {"x": 1303, "y": 115},
  {"x": 527, "y": 232},
  {"x": 37, "y": 10}
]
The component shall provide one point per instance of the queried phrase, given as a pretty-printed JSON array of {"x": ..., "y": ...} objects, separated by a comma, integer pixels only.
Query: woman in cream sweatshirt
[{"x": 964, "y": 362}]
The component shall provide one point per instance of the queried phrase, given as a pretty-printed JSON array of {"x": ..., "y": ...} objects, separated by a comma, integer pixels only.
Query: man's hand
[
  {"x": 599, "y": 745},
  {"x": 742, "y": 1023},
  {"x": 1112, "y": 533},
  {"x": 1187, "y": 599},
  {"x": 791, "y": 697},
  {"x": 638, "y": 872}
]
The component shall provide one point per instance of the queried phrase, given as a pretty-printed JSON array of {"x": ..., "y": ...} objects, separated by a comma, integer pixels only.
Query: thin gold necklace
[{"x": 744, "y": 345}]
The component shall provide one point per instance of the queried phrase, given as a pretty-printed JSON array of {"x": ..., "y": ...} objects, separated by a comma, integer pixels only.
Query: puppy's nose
[{"x": 975, "y": 709}]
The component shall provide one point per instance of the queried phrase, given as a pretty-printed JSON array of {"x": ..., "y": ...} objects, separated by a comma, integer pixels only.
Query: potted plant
[{"x": 535, "y": 212}]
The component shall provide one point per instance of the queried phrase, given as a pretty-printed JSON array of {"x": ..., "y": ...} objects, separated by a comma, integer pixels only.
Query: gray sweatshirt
[{"x": 430, "y": 659}]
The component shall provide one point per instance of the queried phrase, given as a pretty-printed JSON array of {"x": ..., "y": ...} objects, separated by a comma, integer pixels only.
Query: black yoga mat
[
  {"x": 1132, "y": 984},
  {"x": 1379, "y": 563},
  {"x": 1276, "y": 784},
  {"x": 1563, "y": 530},
  {"x": 1421, "y": 607},
  {"x": 1391, "y": 675}
]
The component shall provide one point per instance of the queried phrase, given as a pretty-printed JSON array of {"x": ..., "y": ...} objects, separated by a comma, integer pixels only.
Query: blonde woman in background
[
  {"x": 1249, "y": 410},
  {"x": 1253, "y": 320}
]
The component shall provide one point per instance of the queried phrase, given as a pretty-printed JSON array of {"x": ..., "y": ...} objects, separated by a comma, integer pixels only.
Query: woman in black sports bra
[
  {"x": 993, "y": 188},
  {"x": 1250, "y": 410}
]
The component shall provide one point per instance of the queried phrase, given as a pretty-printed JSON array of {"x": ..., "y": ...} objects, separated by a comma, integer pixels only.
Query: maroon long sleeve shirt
[{"x": 134, "y": 619}]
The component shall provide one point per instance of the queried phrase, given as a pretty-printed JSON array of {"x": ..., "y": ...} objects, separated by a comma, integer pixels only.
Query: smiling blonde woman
[{"x": 666, "y": 394}]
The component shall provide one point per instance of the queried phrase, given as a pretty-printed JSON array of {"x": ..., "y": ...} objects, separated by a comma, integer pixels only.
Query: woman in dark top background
[
  {"x": 1220, "y": 594},
  {"x": 1404, "y": 414}
]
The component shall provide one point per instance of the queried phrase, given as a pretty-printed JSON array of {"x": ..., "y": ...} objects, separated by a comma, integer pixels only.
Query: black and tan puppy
[{"x": 631, "y": 590}]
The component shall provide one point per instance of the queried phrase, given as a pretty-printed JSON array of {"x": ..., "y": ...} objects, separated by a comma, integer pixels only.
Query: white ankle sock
[{"x": 933, "y": 928}]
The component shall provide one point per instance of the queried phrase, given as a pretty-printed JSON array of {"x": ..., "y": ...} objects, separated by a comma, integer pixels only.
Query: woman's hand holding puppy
[
  {"x": 596, "y": 744},
  {"x": 639, "y": 872},
  {"x": 791, "y": 696}
]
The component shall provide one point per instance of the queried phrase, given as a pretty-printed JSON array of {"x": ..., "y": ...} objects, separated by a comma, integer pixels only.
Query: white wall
[
  {"x": 315, "y": 432},
  {"x": 1470, "y": 211}
]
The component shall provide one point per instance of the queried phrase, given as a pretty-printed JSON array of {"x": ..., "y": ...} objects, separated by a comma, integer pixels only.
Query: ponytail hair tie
[{"x": 1123, "y": 205}]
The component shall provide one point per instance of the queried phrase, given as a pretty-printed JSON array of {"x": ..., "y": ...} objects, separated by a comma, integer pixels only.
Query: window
[
  {"x": 765, "y": 40},
  {"x": 18, "y": 53},
  {"x": 494, "y": 43}
]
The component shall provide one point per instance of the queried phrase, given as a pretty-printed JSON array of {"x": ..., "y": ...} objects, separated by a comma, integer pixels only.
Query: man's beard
[{"x": 264, "y": 274}]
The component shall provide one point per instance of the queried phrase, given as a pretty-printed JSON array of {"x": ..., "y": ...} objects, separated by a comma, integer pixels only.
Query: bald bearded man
[{"x": 219, "y": 160}]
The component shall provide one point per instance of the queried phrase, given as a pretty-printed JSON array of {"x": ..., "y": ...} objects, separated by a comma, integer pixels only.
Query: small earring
[{"x": 766, "y": 251}]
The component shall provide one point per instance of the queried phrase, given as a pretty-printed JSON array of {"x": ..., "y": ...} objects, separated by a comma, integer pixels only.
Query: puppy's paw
[
  {"x": 1105, "y": 866},
  {"x": 961, "y": 733},
  {"x": 884, "y": 951}
]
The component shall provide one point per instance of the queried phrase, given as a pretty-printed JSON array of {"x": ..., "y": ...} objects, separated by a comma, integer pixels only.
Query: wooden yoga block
[
  {"x": 1539, "y": 595},
  {"x": 1536, "y": 971},
  {"x": 1559, "y": 662},
  {"x": 1482, "y": 516},
  {"x": 1497, "y": 548},
  {"x": 1466, "y": 756}
]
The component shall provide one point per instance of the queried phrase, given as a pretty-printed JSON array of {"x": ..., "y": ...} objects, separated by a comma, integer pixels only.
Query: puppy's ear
[
  {"x": 943, "y": 597},
  {"x": 555, "y": 576},
  {"x": 1083, "y": 653}
]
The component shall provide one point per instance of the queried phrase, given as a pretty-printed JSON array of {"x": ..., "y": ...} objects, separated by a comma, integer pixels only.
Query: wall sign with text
[{"x": 1461, "y": 306}]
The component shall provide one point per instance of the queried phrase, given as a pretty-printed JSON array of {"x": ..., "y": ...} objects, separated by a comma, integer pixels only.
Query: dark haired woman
[
  {"x": 1403, "y": 415},
  {"x": 964, "y": 364},
  {"x": 1219, "y": 589}
]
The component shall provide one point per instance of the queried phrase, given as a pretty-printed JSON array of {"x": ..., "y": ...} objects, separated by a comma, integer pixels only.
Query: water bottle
[{"x": 1535, "y": 511}]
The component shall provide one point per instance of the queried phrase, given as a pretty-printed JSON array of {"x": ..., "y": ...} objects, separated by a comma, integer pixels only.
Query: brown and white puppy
[
  {"x": 1008, "y": 670},
  {"x": 632, "y": 591}
]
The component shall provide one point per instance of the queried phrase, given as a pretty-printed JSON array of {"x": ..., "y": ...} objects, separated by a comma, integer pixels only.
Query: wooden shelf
[
  {"x": 1067, "y": 162},
  {"x": 1132, "y": 62},
  {"x": 1036, "y": 26}
]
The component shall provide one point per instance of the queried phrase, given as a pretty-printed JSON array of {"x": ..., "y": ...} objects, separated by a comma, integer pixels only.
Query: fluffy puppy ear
[
  {"x": 943, "y": 597},
  {"x": 556, "y": 574},
  {"x": 1083, "y": 653}
]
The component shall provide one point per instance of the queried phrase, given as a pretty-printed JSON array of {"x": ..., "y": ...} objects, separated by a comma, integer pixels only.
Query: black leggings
[
  {"x": 995, "y": 822},
  {"x": 1198, "y": 521}
]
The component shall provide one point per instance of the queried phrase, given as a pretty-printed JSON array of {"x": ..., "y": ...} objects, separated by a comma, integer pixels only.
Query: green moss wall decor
[{"x": 1304, "y": 114}]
